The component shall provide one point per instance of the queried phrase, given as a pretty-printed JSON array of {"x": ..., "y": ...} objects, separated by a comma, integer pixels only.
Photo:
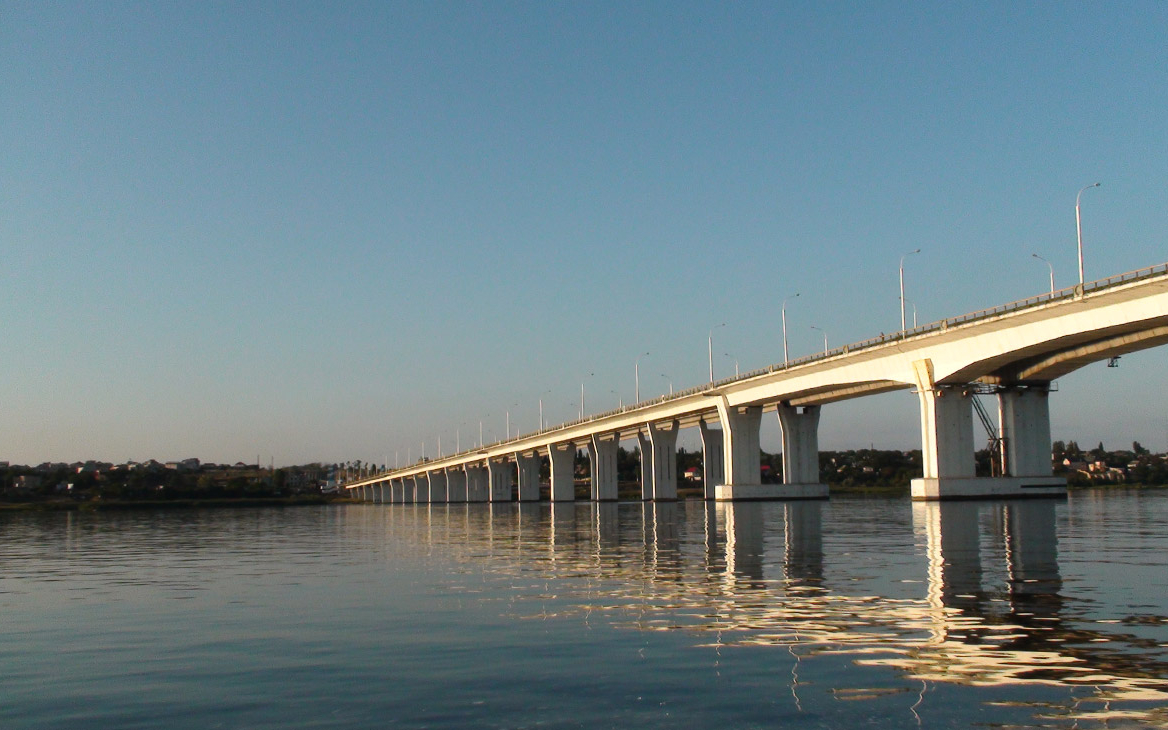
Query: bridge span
[{"x": 1013, "y": 351}]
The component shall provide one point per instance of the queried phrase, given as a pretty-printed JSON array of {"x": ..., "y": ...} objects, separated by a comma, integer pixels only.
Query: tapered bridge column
[
  {"x": 455, "y": 484},
  {"x": 397, "y": 491},
  {"x": 477, "y": 488},
  {"x": 602, "y": 453},
  {"x": 528, "y": 472},
  {"x": 742, "y": 460},
  {"x": 645, "y": 445},
  {"x": 563, "y": 463},
  {"x": 1024, "y": 415},
  {"x": 712, "y": 466},
  {"x": 437, "y": 483},
  {"x": 663, "y": 440},
  {"x": 499, "y": 471},
  {"x": 801, "y": 452},
  {"x": 947, "y": 444}
]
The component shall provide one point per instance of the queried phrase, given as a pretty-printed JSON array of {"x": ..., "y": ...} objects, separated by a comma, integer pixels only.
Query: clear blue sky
[{"x": 334, "y": 231}]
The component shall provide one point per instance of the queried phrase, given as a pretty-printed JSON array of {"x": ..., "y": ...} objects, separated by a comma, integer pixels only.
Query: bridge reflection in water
[{"x": 992, "y": 611}]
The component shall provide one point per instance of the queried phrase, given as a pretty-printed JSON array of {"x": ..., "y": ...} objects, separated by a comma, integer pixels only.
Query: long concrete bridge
[{"x": 1013, "y": 352}]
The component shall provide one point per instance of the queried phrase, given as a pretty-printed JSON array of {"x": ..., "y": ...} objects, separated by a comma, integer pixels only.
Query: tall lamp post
[
  {"x": 785, "y": 326},
  {"x": 1049, "y": 267},
  {"x": 589, "y": 375},
  {"x": 541, "y": 395},
  {"x": 637, "y": 373},
  {"x": 710, "y": 341},
  {"x": 735, "y": 362},
  {"x": 1079, "y": 228},
  {"x": 824, "y": 337},
  {"x": 910, "y": 253}
]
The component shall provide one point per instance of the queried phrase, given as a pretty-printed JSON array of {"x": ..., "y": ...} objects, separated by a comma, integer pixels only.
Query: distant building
[{"x": 27, "y": 481}]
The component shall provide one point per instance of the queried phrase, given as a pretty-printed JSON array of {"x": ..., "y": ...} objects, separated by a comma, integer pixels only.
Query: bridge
[{"x": 1012, "y": 352}]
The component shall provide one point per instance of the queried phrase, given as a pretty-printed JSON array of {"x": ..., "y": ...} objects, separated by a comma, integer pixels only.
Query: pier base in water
[
  {"x": 942, "y": 488},
  {"x": 757, "y": 492}
]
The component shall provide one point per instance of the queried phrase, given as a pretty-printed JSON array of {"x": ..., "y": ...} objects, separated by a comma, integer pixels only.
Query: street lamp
[
  {"x": 785, "y": 327},
  {"x": 824, "y": 337},
  {"x": 637, "y": 373},
  {"x": 910, "y": 253},
  {"x": 711, "y": 344},
  {"x": 582, "y": 396},
  {"x": 735, "y": 362},
  {"x": 1079, "y": 229},
  {"x": 912, "y": 304},
  {"x": 513, "y": 405},
  {"x": 541, "y": 395},
  {"x": 670, "y": 382},
  {"x": 1049, "y": 267}
]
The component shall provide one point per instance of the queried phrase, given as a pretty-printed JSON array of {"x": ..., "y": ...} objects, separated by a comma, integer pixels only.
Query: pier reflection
[{"x": 982, "y": 603}]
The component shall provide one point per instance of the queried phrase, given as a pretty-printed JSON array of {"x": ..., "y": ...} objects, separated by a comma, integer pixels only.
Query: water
[{"x": 850, "y": 613}]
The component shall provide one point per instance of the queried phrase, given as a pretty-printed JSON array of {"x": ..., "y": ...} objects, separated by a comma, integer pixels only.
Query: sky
[{"x": 336, "y": 231}]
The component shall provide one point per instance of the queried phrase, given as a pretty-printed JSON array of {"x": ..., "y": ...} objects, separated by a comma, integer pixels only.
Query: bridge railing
[{"x": 1035, "y": 301}]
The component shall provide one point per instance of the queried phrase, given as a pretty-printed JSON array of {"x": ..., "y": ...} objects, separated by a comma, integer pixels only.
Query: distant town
[{"x": 862, "y": 470}]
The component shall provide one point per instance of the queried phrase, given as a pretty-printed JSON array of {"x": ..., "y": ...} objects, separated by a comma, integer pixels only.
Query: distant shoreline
[
  {"x": 111, "y": 505},
  {"x": 318, "y": 500}
]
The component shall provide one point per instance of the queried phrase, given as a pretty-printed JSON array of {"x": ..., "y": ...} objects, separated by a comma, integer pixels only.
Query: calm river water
[{"x": 848, "y": 613}]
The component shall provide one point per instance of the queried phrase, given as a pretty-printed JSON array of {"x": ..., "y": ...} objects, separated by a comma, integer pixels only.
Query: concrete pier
[
  {"x": 527, "y": 468},
  {"x": 800, "y": 452},
  {"x": 437, "y": 486},
  {"x": 663, "y": 440},
  {"x": 477, "y": 483},
  {"x": 742, "y": 476},
  {"x": 602, "y": 458},
  {"x": 948, "y": 447},
  {"x": 713, "y": 468},
  {"x": 500, "y": 479},
  {"x": 563, "y": 467},
  {"x": 456, "y": 485}
]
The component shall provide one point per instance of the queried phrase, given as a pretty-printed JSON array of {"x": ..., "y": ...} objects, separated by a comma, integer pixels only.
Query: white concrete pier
[
  {"x": 563, "y": 468},
  {"x": 527, "y": 468},
  {"x": 602, "y": 459}
]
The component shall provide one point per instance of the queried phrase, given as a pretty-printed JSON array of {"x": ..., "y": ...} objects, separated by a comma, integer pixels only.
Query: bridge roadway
[{"x": 1013, "y": 351}]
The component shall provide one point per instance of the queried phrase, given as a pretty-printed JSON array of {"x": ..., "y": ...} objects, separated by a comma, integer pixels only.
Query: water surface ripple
[{"x": 852, "y": 612}]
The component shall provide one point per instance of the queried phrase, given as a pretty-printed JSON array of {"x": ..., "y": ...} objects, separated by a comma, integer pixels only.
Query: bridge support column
[
  {"x": 499, "y": 476},
  {"x": 712, "y": 467},
  {"x": 664, "y": 443},
  {"x": 384, "y": 496},
  {"x": 947, "y": 445},
  {"x": 397, "y": 491},
  {"x": 528, "y": 473},
  {"x": 742, "y": 478},
  {"x": 645, "y": 445},
  {"x": 455, "y": 484},
  {"x": 1024, "y": 416},
  {"x": 477, "y": 487},
  {"x": 563, "y": 462},
  {"x": 801, "y": 453},
  {"x": 602, "y": 452},
  {"x": 437, "y": 482},
  {"x": 409, "y": 491}
]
